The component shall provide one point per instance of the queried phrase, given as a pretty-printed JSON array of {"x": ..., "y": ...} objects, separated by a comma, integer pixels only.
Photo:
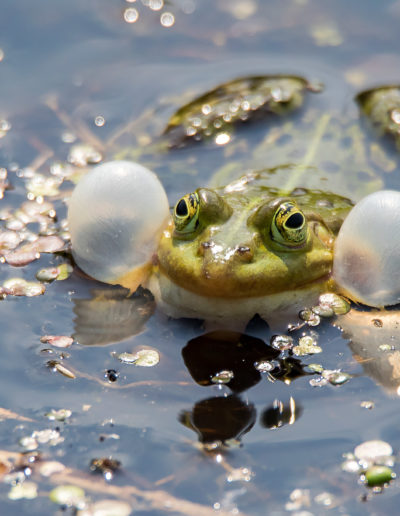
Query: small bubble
[
  {"x": 99, "y": 121},
  {"x": 167, "y": 19},
  {"x": 131, "y": 15},
  {"x": 156, "y": 5},
  {"x": 206, "y": 109}
]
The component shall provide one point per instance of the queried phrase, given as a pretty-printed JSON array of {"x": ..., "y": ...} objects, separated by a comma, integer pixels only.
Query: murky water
[{"x": 62, "y": 66}]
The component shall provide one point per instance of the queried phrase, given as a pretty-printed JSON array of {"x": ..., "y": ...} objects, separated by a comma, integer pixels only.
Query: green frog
[
  {"x": 246, "y": 248},
  {"x": 260, "y": 244}
]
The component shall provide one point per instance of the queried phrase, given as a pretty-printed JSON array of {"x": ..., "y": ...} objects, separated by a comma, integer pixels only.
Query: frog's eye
[
  {"x": 289, "y": 225},
  {"x": 186, "y": 213}
]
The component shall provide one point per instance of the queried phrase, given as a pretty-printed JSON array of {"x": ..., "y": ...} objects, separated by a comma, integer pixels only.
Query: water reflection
[
  {"x": 220, "y": 419},
  {"x": 280, "y": 414},
  {"x": 238, "y": 361},
  {"x": 247, "y": 357},
  {"x": 375, "y": 344},
  {"x": 110, "y": 316}
]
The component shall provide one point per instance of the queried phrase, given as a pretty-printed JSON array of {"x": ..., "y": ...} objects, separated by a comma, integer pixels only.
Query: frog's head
[{"x": 235, "y": 243}]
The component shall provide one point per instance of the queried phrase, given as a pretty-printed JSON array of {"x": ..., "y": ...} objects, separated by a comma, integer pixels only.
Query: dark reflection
[
  {"x": 280, "y": 414},
  {"x": 220, "y": 419},
  {"x": 211, "y": 353},
  {"x": 111, "y": 316},
  {"x": 288, "y": 369},
  {"x": 207, "y": 355}
]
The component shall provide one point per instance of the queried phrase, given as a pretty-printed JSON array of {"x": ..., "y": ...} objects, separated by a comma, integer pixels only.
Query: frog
[
  {"x": 244, "y": 249},
  {"x": 263, "y": 243}
]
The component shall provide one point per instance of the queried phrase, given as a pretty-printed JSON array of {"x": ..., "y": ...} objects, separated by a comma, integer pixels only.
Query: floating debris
[
  {"x": 82, "y": 155},
  {"x": 43, "y": 186},
  {"x": 323, "y": 310},
  {"x": 240, "y": 475},
  {"x": 373, "y": 451},
  {"x": 351, "y": 465},
  {"x": 382, "y": 107},
  {"x": 58, "y": 415},
  {"x": 318, "y": 382},
  {"x": 58, "y": 341},
  {"x": 106, "y": 508},
  {"x": 48, "y": 274},
  {"x": 264, "y": 366},
  {"x": 298, "y": 498},
  {"x": 49, "y": 244},
  {"x": 310, "y": 317},
  {"x": 26, "y": 490},
  {"x": 281, "y": 342},
  {"x": 222, "y": 377},
  {"x": 336, "y": 377},
  {"x": 29, "y": 443},
  {"x": 338, "y": 304},
  {"x": 213, "y": 114},
  {"x": 60, "y": 273},
  {"x": 69, "y": 495},
  {"x": 385, "y": 347},
  {"x": 325, "y": 499},
  {"x": 23, "y": 255},
  {"x": 48, "y": 436},
  {"x": 49, "y": 468},
  {"x": 21, "y": 287},
  {"x": 307, "y": 346},
  {"x": 378, "y": 475},
  {"x": 127, "y": 358},
  {"x": 146, "y": 358},
  {"x": 367, "y": 404},
  {"x": 9, "y": 240},
  {"x": 60, "y": 368},
  {"x": 106, "y": 466},
  {"x": 315, "y": 368}
]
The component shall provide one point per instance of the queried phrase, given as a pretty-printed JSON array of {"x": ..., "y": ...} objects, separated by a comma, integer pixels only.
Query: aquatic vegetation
[{"x": 214, "y": 114}]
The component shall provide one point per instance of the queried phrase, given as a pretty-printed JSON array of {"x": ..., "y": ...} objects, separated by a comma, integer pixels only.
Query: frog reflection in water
[{"x": 232, "y": 252}]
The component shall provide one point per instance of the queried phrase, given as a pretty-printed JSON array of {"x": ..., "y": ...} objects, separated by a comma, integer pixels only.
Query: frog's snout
[{"x": 214, "y": 252}]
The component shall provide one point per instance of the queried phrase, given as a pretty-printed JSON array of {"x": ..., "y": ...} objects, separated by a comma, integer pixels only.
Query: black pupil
[
  {"x": 181, "y": 208},
  {"x": 295, "y": 221}
]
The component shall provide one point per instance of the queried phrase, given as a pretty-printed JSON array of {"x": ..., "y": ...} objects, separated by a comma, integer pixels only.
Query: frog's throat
[{"x": 176, "y": 301}]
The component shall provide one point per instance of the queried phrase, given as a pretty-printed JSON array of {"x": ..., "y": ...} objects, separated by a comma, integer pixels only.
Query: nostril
[
  {"x": 245, "y": 253},
  {"x": 204, "y": 246}
]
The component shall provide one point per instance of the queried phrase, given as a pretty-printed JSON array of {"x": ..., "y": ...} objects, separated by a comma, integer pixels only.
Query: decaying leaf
[
  {"x": 382, "y": 107},
  {"x": 213, "y": 114}
]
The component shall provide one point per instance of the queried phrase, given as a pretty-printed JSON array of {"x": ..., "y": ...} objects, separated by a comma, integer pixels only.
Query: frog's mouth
[{"x": 265, "y": 274}]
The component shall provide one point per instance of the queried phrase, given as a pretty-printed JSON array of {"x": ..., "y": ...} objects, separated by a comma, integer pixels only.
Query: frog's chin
[{"x": 279, "y": 309}]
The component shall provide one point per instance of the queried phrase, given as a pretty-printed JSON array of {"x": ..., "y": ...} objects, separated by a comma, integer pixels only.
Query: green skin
[{"x": 233, "y": 253}]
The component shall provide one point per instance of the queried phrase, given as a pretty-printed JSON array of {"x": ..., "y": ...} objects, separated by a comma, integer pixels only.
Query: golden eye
[
  {"x": 186, "y": 213},
  {"x": 289, "y": 225}
]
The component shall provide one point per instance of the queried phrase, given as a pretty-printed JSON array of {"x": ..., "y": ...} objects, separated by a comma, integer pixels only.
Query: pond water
[{"x": 110, "y": 74}]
